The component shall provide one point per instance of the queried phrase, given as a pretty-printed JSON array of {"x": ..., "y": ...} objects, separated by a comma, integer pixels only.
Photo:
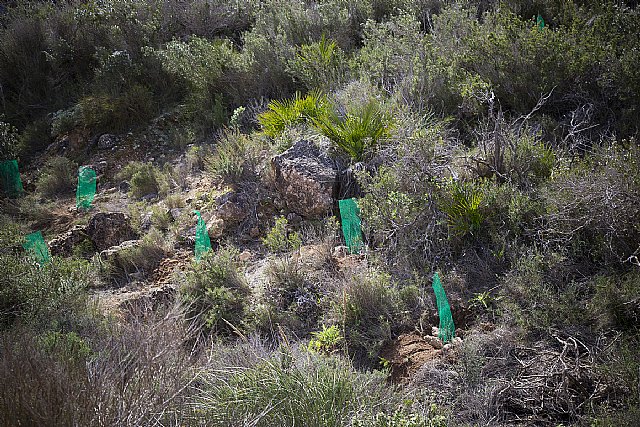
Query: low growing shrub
[
  {"x": 215, "y": 293},
  {"x": 59, "y": 177}
]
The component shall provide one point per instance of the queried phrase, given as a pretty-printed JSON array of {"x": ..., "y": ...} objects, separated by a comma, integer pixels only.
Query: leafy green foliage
[
  {"x": 281, "y": 114},
  {"x": 279, "y": 239},
  {"x": 327, "y": 340},
  {"x": 215, "y": 293},
  {"x": 463, "y": 207},
  {"x": 358, "y": 131}
]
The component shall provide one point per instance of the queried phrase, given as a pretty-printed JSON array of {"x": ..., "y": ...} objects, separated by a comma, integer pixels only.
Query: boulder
[
  {"x": 107, "y": 141},
  {"x": 63, "y": 244},
  {"x": 107, "y": 229},
  {"x": 231, "y": 208},
  {"x": 307, "y": 179},
  {"x": 113, "y": 254}
]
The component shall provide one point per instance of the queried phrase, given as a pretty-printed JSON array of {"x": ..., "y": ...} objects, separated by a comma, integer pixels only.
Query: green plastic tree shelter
[
  {"x": 446, "y": 329},
  {"x": 351, "y": 226},
  {"x": 203, "y": 243},
  {"x": 86, "y": 187},
  {"x": 540, "y": 22},
  {"x": 10, "y": 177},
  {"x": 37, "y": 248}
]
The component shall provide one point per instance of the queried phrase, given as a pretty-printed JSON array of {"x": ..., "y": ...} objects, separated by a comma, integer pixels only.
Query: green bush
[
  {"x": 8, "y": 141},
  {"x": 235, "y": 157},
  {"x": 215, "y": 293},
  {"x": 400, "y": 213},
  {"x": 279, "y": 239},
  {"x": 59, "y": 177},
  {"x": 367, "y": 309},
  {"x": 320, "y": 66},
  {"x": 309, "y": 390},
  {"x": 69, "y": 346},
  {"x": 282, "y": 114},
  {"x": 33, "y": 293},
  {"x": 206, "y": 69},
  {"x": 358, "y": 132},
  {"x": 144, "y": 179},
  {"x": 108, "y": 113}
]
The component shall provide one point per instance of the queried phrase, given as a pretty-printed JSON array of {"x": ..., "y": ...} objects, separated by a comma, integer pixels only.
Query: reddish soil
[{"x": 407, "y": 354}]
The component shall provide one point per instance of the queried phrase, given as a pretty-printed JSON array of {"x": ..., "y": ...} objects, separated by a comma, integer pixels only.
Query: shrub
[
  {"x": 34, "y": 294},
  {"x": 295, "y": 389},
  {"x": 144, "y": 179},
  {"x": 204, "y": 66},
  {"x": 320, "y": 65},
  {"x": 135, "y": 374},
  {"x": 235, "y": 158},
  {"x": 281, "y": 114},
  {"x": 141, "y": 258},
  {"x": 215, "y": 293},
  {"x": 59, "y": 177},
  {"x": 279, "y": 239},
  {"x": 116, "y": 113},
  {"x": 291, "y": 298},
  {"x": 400, "y": 213},
  {"x": 366, "y": 307},
  {"x": 8, "y": 141},
  {"x": 357, "y": 132},
  {"x": 592, "y": 209}
]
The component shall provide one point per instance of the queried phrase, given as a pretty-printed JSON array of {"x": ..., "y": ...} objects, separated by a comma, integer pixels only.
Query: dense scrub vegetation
[{"x": 482, "y": 144}]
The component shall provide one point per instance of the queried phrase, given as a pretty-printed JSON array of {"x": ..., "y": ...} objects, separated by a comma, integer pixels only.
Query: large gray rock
[
  {"x": 307, "y": 179},
  {"x": 107, "y": 229}
]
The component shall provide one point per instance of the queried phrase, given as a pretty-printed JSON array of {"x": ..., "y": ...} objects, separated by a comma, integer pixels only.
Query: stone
[
  {"x": 149, "y": 197},
  {"x": 215, "y": 228},
  {"x": 124, "y": 187},
  {"x": 175, "y": 213},
  {"x": 63, "y": 244},
  {"x": 245, "y": 256},
  {"x": 113, "y": 254},
  {"x": 294, "y": 218},
  {"x": 107, "y": 229},
  {"x": 340, "y": 251},
  {"x": 107, "y": 141},
  {"x": 307, "y": 180},
  {"x": 433, "y": 342},
  {"x": 231, "y": 208}
]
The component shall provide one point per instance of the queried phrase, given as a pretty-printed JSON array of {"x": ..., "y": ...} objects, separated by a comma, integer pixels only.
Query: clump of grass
[
  {"x": 235, "y": 158},
  {"x": 291, "y": 388},
  {"x": 58, "y": 177}
]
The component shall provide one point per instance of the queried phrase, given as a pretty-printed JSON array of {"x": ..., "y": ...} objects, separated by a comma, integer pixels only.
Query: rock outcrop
[
  {"x": 63, "y": 244},
  {"x": 307, "y": 180},
  {"x": 107, "y": 229}
]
